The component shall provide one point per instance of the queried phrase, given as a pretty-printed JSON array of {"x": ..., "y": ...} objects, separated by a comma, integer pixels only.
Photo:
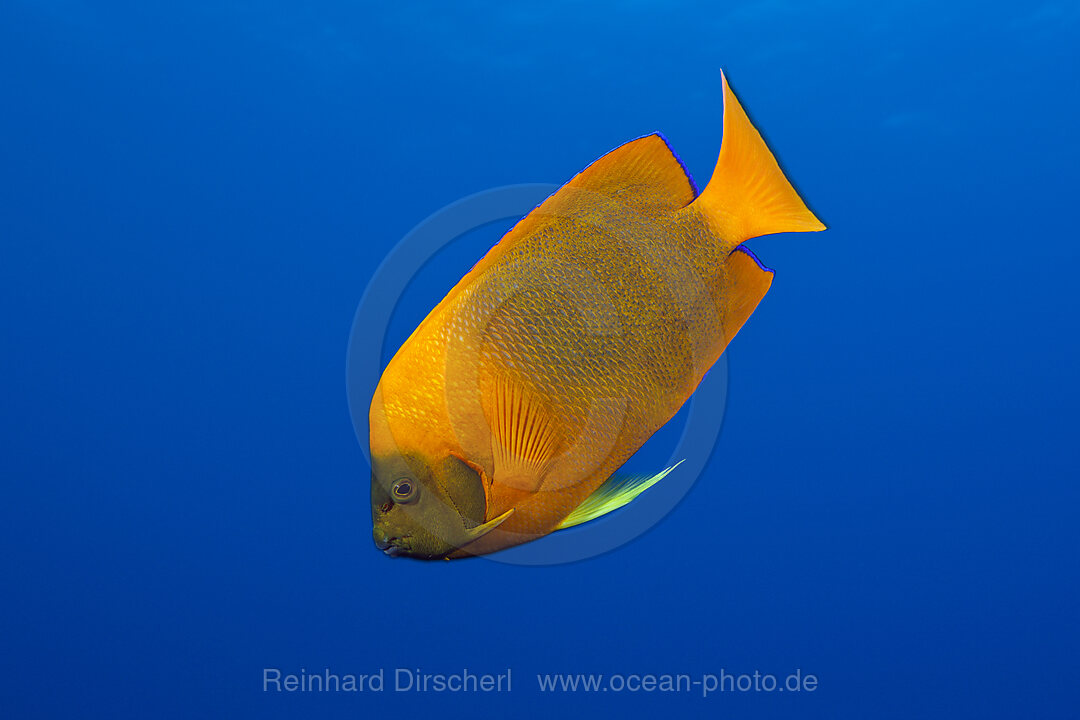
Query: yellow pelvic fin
[
  {"x": 617, "y": 490},
  {"x": 644, "y": 173},
  {"x": 748, "y": 194},
  {"x": 748, "y": 281},
  {"x": 524, "y": 438}
]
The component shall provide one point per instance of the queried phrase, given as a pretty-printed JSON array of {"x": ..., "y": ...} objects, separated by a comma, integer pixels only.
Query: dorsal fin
[
  {"x": 748, "y": 194},
  {"x": 748, "y": 281},
  {"x": 617, "y": 490},
  {"x": 643, "y": 173},
  {"x": 524, "y": 439}
]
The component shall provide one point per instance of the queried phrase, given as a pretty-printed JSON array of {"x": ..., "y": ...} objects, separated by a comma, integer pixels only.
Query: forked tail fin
[{"x": 748, "y": 194}]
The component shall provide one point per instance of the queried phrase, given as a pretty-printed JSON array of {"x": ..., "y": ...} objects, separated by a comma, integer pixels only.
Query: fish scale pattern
[
  {"x": 604, "y": 306},
  {"x": 586, "y": 312}
]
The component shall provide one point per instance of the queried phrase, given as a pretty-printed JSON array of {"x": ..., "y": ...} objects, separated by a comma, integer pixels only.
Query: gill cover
[{"x": 483, "y": 529}]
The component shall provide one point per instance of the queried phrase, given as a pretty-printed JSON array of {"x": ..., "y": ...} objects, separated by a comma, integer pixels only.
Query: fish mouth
[{"x": 393, "y": 546}]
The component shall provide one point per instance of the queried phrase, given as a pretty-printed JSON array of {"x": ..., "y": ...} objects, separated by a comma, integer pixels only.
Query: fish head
[
  {"x": 424, "y": 507},
  {"x": 426, "y": 500}
]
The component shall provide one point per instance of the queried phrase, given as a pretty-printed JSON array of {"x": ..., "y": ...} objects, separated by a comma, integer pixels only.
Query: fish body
[{"x": 570, "y": 343}]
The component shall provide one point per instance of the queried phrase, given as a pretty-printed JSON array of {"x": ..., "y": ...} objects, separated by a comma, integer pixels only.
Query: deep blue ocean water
[{"x": 194, "y": 196}]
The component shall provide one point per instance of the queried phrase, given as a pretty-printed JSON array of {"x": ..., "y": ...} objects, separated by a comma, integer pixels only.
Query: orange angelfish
[{"x": 505, "y": 414}]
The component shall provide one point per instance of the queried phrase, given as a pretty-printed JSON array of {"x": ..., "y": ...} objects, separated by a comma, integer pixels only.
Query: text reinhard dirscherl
[
  {"x": 401, "y": 680},
  {"x": 415, "y": 680}
]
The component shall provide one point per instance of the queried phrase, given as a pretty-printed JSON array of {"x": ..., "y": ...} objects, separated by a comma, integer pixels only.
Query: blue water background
[{"x": 194, "y": 195}]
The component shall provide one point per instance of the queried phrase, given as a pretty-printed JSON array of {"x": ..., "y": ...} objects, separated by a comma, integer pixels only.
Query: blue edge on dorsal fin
[{"x": 686, "y": 171}]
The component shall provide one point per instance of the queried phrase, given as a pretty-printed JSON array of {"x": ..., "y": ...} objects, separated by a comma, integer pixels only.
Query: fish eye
[{"x": 404, "y": 490}]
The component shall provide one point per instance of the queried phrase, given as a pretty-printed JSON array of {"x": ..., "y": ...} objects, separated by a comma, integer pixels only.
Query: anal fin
[{"x": 747, "y": 282}]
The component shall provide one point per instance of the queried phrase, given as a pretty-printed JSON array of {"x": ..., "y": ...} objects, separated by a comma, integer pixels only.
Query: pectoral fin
[
  {"x": 613, "y": 494},
  {"x": 524, "y": 438}
]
